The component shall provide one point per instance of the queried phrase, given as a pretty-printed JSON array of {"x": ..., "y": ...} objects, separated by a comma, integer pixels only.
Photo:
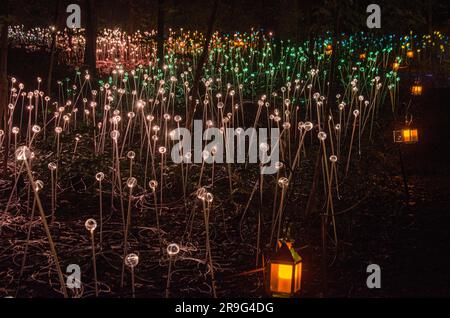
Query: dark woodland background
[{"x": 293, "y": 19}]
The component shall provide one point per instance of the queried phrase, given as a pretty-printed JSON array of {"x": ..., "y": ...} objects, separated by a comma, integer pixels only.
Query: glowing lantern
[
  {"x": 407, "y": 136},
  {"x": 410, "y": 54},
  {"x": 362, "y": 56},
  {"x": 395, "y": 66},
  {"x": 329, "y": 49},
  {"x": 416, "y": 89},
  {"x": 285, "y": 271}
]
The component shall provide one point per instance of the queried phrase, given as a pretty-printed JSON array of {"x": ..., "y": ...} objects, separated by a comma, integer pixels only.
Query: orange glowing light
[
  {"x": 395, "y": 66},
  {"x": 285, "y": 271},
  {"x": 416, "y": 89},
  {"x": 406, "y": 135}
]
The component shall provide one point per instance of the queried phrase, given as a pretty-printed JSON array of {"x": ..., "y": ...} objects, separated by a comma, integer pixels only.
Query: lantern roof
[{"x": 286, "y": 254}]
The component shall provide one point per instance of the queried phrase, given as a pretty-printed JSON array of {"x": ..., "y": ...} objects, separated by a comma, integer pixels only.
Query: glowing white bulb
[
  {"x": 115, "y": 134},
  {"x": 153, "y": 184},
  {"x": 23, "y": 153},
  {"x": 131, "y": 182},
  {"x": 131, "y": 260},
  {"x": 308, "y": 126},
  {"x": 209, "y": 197},
  {"x": 38, "y": 185},
  {"x": 283, "y": 182},
  {"x": 322, "y": 135},
  {"x": 99, "y": 176},
  {"x": 36, "y": 129},
  {"x": 90, "y": 225},
  {"x": 173, "y": 249},
  {"x": 201, "y": 194}
]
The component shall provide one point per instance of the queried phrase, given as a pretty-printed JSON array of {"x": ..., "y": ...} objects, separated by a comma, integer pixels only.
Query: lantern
[
  {"x": 238, "y": 43},
  {"x": 407, "y": 136},
  {"x": 416, "y": 89},
  {"x": 329, "y": 49},
  {"x": 410, "y": 54},
  {"x": 285, "y": 271},
  {"x": 362, "y": 56},
  {"x": 395, "y": 66}
]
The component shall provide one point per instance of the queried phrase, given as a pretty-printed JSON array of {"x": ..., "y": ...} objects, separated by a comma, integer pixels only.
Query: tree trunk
[
  {"x": 160, "y": 39},
  {"x": 433, "y": 49},
  {"x": 4, "y": 79},
  {"x": 53, "y": 47},
  {"x": 298, "y": 11},
  {"x": 310, "y": 21},
  {"x": 201, "y": 63},
  {"x": 232, "y": 14},
  {"x": 90, "y": 59},
  {"x": 334, "y": 57},
  {"x": 430, "y": 16}
]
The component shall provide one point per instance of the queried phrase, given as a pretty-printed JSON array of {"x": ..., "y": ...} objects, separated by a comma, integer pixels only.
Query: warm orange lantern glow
[
  {"x": 281, "y": 278},
  {"x": 329, "y": 49},
  {"x": 362, "y": 56},
  {"x": 395, "y": 66},
  {"x": 285, "y": 271},
  {"x": 410, "y": 54},
  {"x": 298, "y": 276},
  {"x": 406, "y": 135},
  {"x": 416, "y": 89}
]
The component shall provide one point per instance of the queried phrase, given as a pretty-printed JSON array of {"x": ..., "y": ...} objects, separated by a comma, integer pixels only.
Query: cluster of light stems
[{"x": 129, "y": 118}]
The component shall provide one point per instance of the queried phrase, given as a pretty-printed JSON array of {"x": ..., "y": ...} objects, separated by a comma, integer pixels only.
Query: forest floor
[{"x": 409, "y": 241}]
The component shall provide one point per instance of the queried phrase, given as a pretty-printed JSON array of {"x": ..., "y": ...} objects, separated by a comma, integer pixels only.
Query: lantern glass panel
[
  {"x": 406, "y": 135},
  {"x": 414, "y": 135},
  {"x": 298, "y": 276},
  {"x": 398, "y": 136},
  {"x": 281, "y": 278},
  {"x": 416, "y": 90}
]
